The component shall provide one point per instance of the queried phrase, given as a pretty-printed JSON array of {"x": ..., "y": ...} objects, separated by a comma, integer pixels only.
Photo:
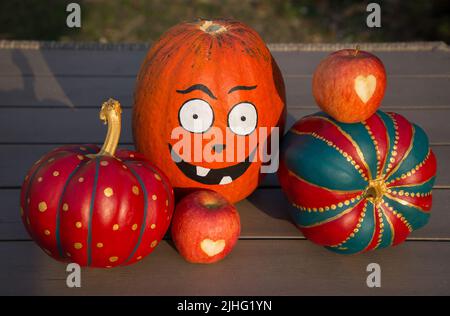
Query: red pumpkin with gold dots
[{"x": 97, "y": 208}]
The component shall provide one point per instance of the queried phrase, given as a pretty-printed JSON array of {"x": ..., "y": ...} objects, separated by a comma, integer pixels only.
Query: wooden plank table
[{"x": 50, "y": 94}]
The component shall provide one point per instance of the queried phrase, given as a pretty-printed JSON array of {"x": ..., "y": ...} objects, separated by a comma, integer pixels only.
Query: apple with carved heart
[
  {"x": 205, "y": 227},
  {"x": 349, "y": 85}
]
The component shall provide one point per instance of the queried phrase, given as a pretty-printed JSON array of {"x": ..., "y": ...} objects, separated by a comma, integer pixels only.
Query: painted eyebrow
[
  {"x": 242, "y": 88},
  {"x": 200, "y": 87}
]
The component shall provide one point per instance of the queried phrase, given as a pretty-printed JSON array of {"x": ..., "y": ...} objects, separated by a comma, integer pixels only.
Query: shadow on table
[{"x": 29, "y": 89}]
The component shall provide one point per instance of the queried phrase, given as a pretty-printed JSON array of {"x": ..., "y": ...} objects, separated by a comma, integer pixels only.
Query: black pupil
[
  {"x": 195, "y": 116},
  {"x": 243, "y": 118}
]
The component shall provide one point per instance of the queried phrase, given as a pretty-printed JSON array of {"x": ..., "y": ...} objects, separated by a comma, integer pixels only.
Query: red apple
[
  {"x": 205, "y": 227},
  {"x": 349, "y": 85}
]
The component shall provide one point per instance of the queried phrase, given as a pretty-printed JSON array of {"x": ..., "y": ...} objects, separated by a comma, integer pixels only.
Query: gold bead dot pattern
[
  {"x": 343, "y": 153},
  {"x": 42, "y": 206},
  {"x": 77, "y": 245},
  {"x": 65, "y": 207},
  {"x": 55, "y": 173},
  {"x": 78, "y": 225},
  {"x": 135, "y": 190},
  {"x": 154, "y": 243},
  {"x": 116, "y": 227},
  {"x": 108, "y": 192},
  {"x": 113, "y": 259},
  {"x": 134, "y": 227},
  {"x": 99, "y": 245},
  {"x": 413, "y": 170}
]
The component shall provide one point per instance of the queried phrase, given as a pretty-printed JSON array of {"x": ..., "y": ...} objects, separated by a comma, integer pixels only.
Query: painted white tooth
[
  {"x": 202, "y": 172},
  {"x": 226, "y": 180}
]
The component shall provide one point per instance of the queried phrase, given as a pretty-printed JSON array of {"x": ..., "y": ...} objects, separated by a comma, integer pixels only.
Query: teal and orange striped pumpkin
[{"x": 357, "y": 187}]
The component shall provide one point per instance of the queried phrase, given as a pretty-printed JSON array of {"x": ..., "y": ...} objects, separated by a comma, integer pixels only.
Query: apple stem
[{"x": 356, "y": 50}]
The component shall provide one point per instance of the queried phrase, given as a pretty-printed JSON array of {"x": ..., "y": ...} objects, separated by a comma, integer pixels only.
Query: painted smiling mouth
[{"x": 212, "y": 176}]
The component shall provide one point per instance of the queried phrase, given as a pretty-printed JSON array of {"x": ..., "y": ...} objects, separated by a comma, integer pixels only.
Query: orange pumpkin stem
[
  {"x": 211, "y": 27},
  {"x": 110, "y": 114}
]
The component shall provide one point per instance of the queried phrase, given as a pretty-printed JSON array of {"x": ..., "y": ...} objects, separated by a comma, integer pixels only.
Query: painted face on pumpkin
[
  {"x": 196, "y": 116},
  {"x": 201, "y": 78}
]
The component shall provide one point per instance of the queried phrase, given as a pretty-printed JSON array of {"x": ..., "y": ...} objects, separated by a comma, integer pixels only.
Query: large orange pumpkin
[{"x": 202, "y": 75}]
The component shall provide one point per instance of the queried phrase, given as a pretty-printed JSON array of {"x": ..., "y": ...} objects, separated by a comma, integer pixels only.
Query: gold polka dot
[
  {"x": 153, "y": 244},
  {"x": 134, "y": 227},
  {"x": 80, "y": 179},
  {"x": 153, "y": 226},
  {"x": 78, "y": 245},
  {"x": 99, "y": 245},
  {"x": 65, "y": 207},
  {"x": 108, "y": 192},
  {"x": 39, "y": 179},
  {"x": 167, "y": 202},
  {"x": 157, "y": 177},
  {"x": 113, "y": 259},
  {"x": 104, "y": 163},
  {"x": 55, "y": 173},
  {"x": 47, "y": 232},
  {"x": 135, "y": 190},
  {"x": 139, "y": 258},
  {"x": 80, "y": 157},
  {"x": 78, "y": 225},
  {"x": 42, "y": 206},
  {"x": 132, "y": 155},
  {"x": 154, "y": 197},
  {"x": 116, "y": 227}
]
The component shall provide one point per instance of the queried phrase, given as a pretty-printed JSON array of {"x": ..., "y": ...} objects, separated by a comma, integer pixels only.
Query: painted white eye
[
  {"x": 243, "y": 118},
  {"x": 196, "y": 116}
]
